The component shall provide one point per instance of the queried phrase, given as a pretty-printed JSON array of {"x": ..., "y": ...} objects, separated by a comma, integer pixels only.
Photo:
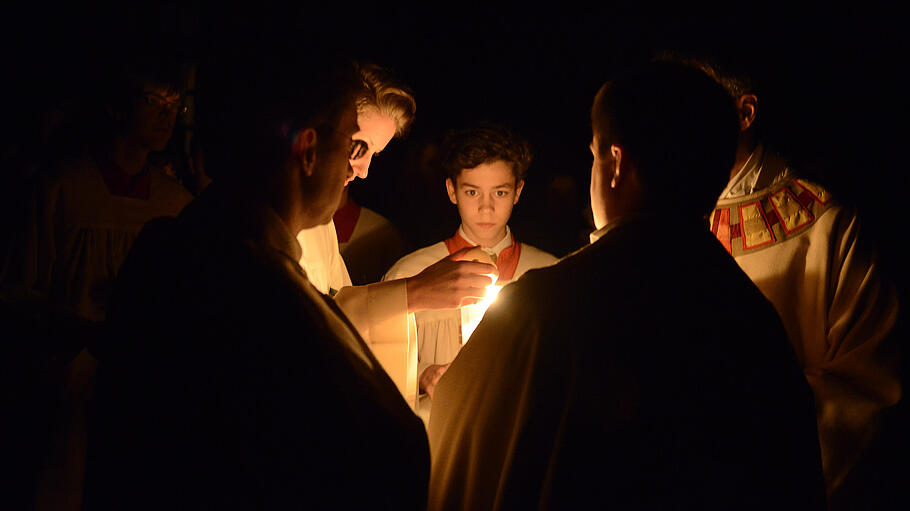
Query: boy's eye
[
  {"x": 470, "y": 193},
  {"x": 501, "y": 193}
]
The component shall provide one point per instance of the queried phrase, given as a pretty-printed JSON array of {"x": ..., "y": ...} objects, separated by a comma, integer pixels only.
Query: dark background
[{"x": 830, "y": 95}]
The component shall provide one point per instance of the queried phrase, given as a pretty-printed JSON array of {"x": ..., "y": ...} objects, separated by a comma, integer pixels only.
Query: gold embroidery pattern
[
  {"x": 755, "y": 229},
  {"x": 782, "y": 213},
  {"x": 791, "y": 213}
]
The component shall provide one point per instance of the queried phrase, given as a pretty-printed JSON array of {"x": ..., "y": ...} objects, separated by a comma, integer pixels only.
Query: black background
[{"x": 831, "y": 95}]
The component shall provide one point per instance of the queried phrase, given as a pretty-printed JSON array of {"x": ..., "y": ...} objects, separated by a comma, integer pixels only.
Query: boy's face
[
  {"x": 154, "y": 116},
  {"x": 485, "y": 196}
]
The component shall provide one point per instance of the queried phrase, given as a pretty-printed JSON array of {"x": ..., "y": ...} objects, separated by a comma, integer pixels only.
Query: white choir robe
[
  {"x": 379, "y": 311},
  {"x": 439, "y": 332},
  {"x": 806, "y": 253}
]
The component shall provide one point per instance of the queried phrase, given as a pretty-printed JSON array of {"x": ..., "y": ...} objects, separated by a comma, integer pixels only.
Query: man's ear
[
  {"x": 617, "y": 172},
  {"x": 747, "y": 108},
  {"x": 518, "y": 187},
  {"x": 303, "y": 149},
  {"x": 450, "y": 187}
]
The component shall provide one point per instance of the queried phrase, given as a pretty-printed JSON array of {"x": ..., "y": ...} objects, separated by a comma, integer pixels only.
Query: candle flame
[{"x": 472, "y": 314}]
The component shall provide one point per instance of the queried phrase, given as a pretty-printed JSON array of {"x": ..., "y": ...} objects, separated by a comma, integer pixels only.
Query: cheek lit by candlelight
[{"x": 472, "y": 314}]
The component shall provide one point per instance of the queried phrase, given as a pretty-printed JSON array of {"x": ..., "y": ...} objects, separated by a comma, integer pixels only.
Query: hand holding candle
[
  {"x": 471, "y": 314},
  {"x": 456, "y": 280}
]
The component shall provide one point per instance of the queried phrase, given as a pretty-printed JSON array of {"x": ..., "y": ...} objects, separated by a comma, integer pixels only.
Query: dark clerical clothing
[
  {"x": 644, "y": 371},
  {"x": 228, "y": 382}
]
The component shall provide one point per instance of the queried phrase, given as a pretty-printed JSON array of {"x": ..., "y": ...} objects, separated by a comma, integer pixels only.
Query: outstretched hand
[{"x": 451, "y": 282}]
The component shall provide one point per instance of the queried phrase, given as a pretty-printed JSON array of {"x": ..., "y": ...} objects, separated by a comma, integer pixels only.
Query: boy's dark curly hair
[{"x": 484, "y": 142}]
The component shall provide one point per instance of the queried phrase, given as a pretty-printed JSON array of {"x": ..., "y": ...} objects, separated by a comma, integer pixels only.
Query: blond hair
[{"x": 387, "y": 95}]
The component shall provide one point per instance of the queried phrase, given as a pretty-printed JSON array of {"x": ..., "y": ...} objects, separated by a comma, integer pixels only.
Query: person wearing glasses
[
  {"x": 231, "y": 382},
  {"x": 86, "y": 212},
  {"x": 367, "y": 241},
  {"x": 380, "y": 310},
  {"x": 385, "y": 111},
  {"x": 92, "y": 205}
]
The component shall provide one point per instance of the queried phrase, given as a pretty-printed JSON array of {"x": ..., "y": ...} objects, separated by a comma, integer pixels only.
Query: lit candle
[{"x": 472, "y": 314}]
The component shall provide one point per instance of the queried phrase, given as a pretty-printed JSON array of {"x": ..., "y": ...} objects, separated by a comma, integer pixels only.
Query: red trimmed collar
[{"x": 345, "y": 219}]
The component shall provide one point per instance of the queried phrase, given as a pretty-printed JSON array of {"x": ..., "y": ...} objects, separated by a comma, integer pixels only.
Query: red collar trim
[
  {"x": 345, "y": 219},
  {"x": 506, "y": 261}
]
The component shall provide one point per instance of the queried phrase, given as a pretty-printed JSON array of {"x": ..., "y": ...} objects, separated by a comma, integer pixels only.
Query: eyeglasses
[
  {"x": 359, "y": 149},
  {"x": 173, "y": 105}
]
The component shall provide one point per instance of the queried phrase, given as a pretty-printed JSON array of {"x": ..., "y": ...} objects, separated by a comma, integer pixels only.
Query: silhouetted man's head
[
  {"x": 265, "y": 113},
  {"x": 733, "y": 73},
  {"x": 251, "y": 102},
  {"x": 664, "y": 139}
]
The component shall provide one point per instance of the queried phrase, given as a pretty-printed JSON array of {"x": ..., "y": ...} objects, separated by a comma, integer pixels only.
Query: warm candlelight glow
[{"x": 472, "y": 314}]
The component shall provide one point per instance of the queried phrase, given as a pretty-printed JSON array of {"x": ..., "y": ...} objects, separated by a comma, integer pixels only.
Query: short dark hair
[
  {"x": 731, "y": 73},
  {"x": 484, "y": 142},
  {"x": 122, "y": 78},
  {"x": 738, "y": 73},
  {"x": 251, "y": 102},
  {"x": 677, "y": 126},
  {"x": 148, "y": 68}
]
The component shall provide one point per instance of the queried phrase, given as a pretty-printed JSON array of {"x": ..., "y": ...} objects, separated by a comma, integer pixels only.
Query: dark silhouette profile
[{"x": 229, "y": 381}]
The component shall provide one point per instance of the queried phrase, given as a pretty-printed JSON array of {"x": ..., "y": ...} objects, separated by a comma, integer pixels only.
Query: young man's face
[
  {"x": 376, "y": 131},
  {"x": 485, "y": 196},
  {"x": 154, "y": 116}
]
